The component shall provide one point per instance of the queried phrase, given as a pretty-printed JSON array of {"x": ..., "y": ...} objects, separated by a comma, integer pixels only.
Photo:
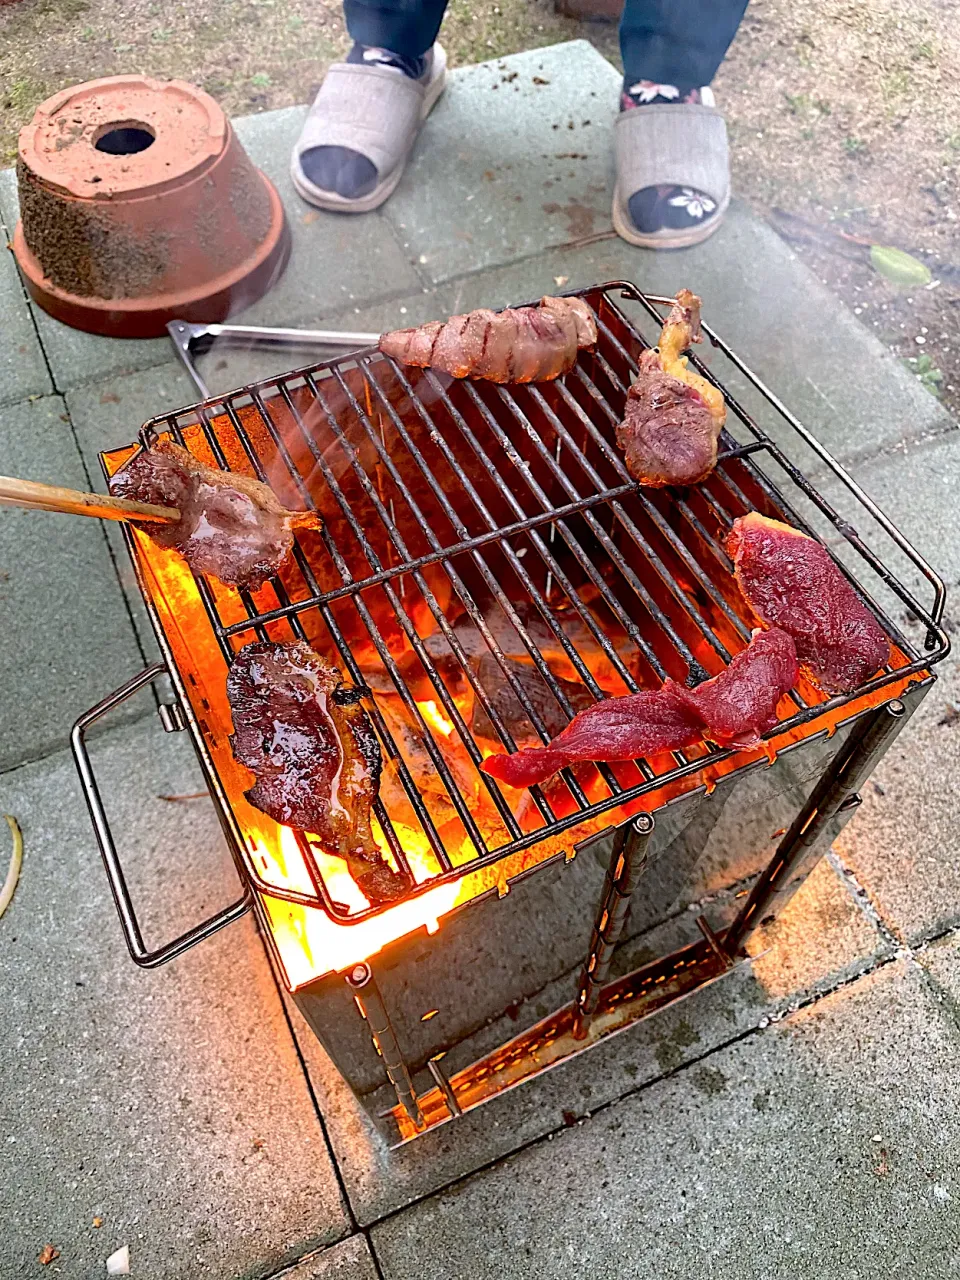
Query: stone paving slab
[
  {"x": 516, "y": 157},
  {"x": 348, "y": 1260},
  {"x": 904, "y": 845},
  {"x": 820, "y": 939},
  {"x": 813, "y": 353},
  {"x": 169, "y": 1103},
  {"x": 68, "y": 639},
  {"x": 23, "y": 370},
  {"x": 337, "y": 259},
  {"x": 823, "y": 1146}
]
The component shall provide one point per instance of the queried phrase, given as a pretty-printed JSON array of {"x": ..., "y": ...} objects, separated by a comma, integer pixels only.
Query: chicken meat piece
[
  {"x": 524, "y": 344},
  {"x": 314, "y": 753},
  {"x": 230, "y": 526},
  {"x": 627, "y": 728},
  {"x": 740, "y": 704},
  {"x": 791, "y": 582},
  {"x": 673, "y": 417}
]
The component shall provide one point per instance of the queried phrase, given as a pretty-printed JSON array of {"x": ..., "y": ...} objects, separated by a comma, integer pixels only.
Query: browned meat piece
[
  {"x": 230, "y": 526},
  {"x": 668, "y": 435},
  {"x": 314, "y": 753},
  {"x": 673, "y": 417},
  {"x": 525, "y": 344}
]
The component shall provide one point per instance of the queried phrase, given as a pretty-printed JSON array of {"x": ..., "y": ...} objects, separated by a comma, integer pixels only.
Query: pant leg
[
  {"x": 678, "y": 42},
  {"x": 407, "y": 27}
]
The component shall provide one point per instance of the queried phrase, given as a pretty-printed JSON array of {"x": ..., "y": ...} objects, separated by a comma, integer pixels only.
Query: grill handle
[{"x": 144, "y": 957}]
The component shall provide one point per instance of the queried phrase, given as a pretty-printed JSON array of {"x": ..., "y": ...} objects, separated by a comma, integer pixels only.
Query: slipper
[
  {"x": 671, "y": 144},
  {"x": 374, "y": 110}
]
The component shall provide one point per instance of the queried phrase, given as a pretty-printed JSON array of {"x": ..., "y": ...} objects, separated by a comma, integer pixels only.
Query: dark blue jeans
[{"x": 678, "y": 42}]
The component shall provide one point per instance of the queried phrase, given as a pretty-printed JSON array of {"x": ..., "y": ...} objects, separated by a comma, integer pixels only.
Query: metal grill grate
[{"x": 486, "y": 565}]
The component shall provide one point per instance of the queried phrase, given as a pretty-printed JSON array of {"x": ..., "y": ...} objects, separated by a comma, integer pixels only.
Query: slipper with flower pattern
[{"x": 673, "y": 173}]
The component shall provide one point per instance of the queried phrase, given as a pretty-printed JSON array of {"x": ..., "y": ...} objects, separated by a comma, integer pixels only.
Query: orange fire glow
[
  {"x": 310, "y": 943},
  {"x": 435, "y": 717}
]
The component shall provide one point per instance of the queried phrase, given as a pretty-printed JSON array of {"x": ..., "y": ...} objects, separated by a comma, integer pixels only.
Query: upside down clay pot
[{"x": 138, "y": 205}]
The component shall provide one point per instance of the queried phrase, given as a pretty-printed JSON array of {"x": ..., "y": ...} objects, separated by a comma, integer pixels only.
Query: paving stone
[
  {"x": 822, "y": 1146},
  {"x": 348, "y": 1260},
  {"x": 9, "y": 204},
  {"x": 170, "y": 1103},
  {"x": 68, "y": 639},
  {"x": 819, "y": 940},
  {"x": 76, "y": 357},
  {"x": 941, "y": 960},
  {"x": 812, "y": 352},
  {"x": 23, "y": 370},
  {"x": 904, "y": 845},
  {"x": 335, "y": 260},
  {"x": 507, "y": 166}
]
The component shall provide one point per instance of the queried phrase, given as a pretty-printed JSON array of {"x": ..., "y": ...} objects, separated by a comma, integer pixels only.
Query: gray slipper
[
  {"x": 681, "y": 144},
  {"x": 374, "y": 110}
]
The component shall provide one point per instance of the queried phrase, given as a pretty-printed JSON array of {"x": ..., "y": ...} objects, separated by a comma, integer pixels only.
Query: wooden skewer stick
[{"x": 48, "y": 497}]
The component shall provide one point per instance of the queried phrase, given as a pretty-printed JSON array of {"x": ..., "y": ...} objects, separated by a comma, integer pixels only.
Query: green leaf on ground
[{"x": 899, "y": 267}]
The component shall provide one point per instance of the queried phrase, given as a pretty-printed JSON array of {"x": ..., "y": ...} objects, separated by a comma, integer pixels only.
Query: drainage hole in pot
[{"x": 124, "y": 138}]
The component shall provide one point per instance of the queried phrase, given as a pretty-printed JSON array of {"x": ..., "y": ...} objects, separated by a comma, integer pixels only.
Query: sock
[
  {"x": 346, "y": 172},
  {"x": 678, "y": 208}
]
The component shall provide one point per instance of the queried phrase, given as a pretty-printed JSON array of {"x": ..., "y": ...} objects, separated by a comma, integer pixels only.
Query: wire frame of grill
[{"x": 556, "y": 454}]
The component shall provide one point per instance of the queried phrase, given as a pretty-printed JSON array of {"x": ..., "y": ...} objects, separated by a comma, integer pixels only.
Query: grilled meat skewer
[
  {"x": 230, "y": 526},
  {"x": 673, "y": 417},
  {"x": 315, "y": 755},
  {"x": 520, "y": 344}
]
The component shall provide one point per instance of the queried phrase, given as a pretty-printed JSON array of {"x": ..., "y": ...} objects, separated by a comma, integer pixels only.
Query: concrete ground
[{"x": 798, "y": 1120}]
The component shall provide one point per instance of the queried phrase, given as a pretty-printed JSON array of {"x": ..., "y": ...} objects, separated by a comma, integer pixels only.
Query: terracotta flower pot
[{"x": 139, "y": 205}]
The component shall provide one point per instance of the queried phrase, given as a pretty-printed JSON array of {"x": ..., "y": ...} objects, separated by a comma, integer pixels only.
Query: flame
[
  {"x": 435, "y": 717},
  {"x": 311, "y": 944}
]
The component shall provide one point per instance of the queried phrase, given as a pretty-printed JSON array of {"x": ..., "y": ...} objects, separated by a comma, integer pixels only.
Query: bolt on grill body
[{"x": 487, "y": 567}]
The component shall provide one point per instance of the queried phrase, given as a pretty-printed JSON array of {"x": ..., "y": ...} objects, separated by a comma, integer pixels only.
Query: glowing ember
[{"x": 435, "y": 717}]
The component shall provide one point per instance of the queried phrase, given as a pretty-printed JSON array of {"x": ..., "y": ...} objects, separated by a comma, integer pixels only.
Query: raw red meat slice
[
  {"x": 627, "y": 728},
  {"x": 740, "y": 704},
  {"x": 791, "y": 582}
]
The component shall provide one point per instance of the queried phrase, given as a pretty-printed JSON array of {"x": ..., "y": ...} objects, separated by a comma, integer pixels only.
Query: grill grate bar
[
  {"x": 467, "y": 600},
  {"x": 601, "y": 548}
]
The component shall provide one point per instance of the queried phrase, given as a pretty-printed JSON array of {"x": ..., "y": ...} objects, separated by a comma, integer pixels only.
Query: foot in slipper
[
  {"x": 354, "y": 146},
  {"x": 673, "y": 182}
]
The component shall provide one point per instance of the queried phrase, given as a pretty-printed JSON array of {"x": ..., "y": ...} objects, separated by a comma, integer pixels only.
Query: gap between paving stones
[
  {"x": 892, "y": 952},
  {"x": 870, "y": 968}
]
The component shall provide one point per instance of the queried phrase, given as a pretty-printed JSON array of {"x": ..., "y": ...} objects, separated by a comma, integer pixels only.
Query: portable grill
[{"x": 485, "y": 568}]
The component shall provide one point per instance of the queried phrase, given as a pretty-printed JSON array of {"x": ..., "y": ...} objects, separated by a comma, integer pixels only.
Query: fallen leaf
[
  {"x": 98, "y": 1222},
  {"x": 540, "y": 80},
  {"x": 109, "y": 397},
  {"x": 560, "y": 281},
  {"x": 48, "y": 1254},
  {"x": 258, "y": 1144},
  {"x": 951, "y": 715},
  {"x": 310, "y": 216},
  {"x": 899, "y": 267}
]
